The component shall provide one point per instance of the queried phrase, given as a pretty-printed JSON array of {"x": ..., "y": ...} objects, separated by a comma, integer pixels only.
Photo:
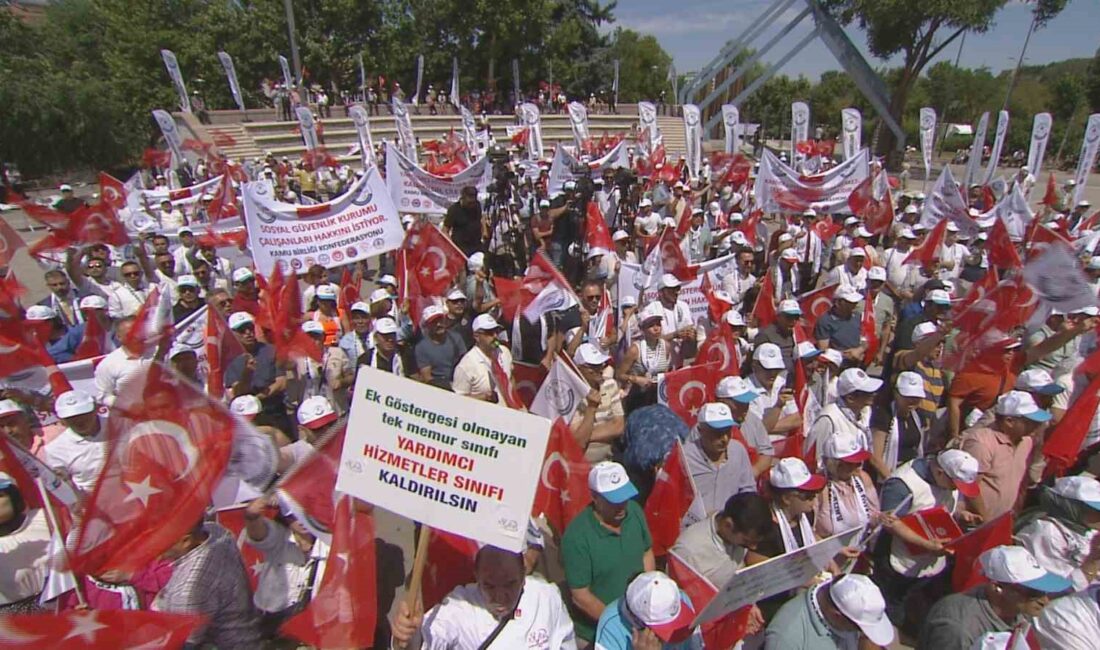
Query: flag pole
[
  {"x": 51, "y": 518},
  {"x": 420, "y": 560}
]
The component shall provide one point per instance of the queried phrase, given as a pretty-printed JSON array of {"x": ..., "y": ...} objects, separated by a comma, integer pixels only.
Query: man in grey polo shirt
[
  {"x": 717, "y": 547},
  {"x": 737, "y": 394},
  {"x": 832, "y": 615},
  {"x": 719, "y": 469}
]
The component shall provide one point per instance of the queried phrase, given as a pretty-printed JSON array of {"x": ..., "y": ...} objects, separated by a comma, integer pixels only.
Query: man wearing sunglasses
[{"x": 130, "y": 294}]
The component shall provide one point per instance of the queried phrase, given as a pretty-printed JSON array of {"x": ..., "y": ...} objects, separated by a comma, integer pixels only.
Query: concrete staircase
[{"x": 234, "y": 141}]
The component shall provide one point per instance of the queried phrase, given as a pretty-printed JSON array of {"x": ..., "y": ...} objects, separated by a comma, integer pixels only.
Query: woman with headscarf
[
  {"x": 24, "y": 547},
  {"x": 849, "y": 499},
  {"x": 1061, "y": 531}
]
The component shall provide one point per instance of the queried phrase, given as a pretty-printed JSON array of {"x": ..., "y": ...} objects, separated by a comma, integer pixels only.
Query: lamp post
[{"x": 1020, "y": 61}]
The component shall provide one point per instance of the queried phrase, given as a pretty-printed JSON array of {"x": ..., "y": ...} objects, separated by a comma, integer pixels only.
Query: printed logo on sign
[
  {"x": 405, "y": 202},
  {"x": 379, "y": 242},
  {"x": 352, "y": 251},
  {"x": 561, "y": 397},
  {"x": 337, "y": 256},
  {"x": 310, "y": 261},
  {"x": 294, "y": 263},
  {"x": 416, "y": 203},
  {"x": 323, "y": 258}
]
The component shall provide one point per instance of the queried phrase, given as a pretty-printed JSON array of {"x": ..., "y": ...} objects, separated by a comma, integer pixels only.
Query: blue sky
[{"x": 697, "y": 30}]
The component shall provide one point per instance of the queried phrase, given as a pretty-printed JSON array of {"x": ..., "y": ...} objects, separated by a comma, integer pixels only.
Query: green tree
[
  {"x": 1093, "y": 82},
  {"x": 643, "y": 66}
]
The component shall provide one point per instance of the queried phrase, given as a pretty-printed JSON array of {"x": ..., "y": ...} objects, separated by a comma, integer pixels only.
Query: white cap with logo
[
  {"x": 315, "y": 412},
  {"x": 486, "y": 323},
  {"x": 590, "y": 355},
  {"x": 73, "y": 403},
  {"x": 1017, "y": 403},
  {"x": 655, "y": 600},
  {"x": 962, "y": 469},
  {"x": 769, "y": 356},
  {"x": 861, "y": 602},
  {"x": 792, "y": 474},
  {"x": 856, "y": 379},
  {"x": 609, "y": 480},
  {"x": 1017, "y": 566},
  {"x": 910, "y": 384}
]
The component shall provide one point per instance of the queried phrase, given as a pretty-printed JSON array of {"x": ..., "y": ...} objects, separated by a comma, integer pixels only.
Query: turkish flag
[
  {"x": 1039, "y": 237},
  {"x": 223, "y": 204},
  {"x": 815, "y": 304},
  {"x": 826, "y": 228},
  {"x": 221, "y": 347},
  {"x": 764, "y": 309},
  {"x": 716, "y": 307},
  {"x": 344, "y": 611},
  {"x": 153, "y": 322},
  {"x": 670, "y": 500},
  {"x": 519, "y": 138},
  {"x": 450, "y": 564},
  {"x": 683, "y": 222},
  {"x": 510, "y": 295},
  {"x": 214, "y": 239},
  {"x": 870, "y": 200},
  {"x": 350, "y": 290},
  {"x": 283, "y": 303},
  {"x": 1002, "y": 253},
  {"x": 156, "y": 158},
  {"x": 544, "y": 289},
  {"x": 669, "y": 257},
  {"x": 10, "y": 241},
  {"x": 89, "y": 224},
  {"x": 722, "y": 633},
  {"x": 16, "y": 355},
  {"x": 967, "y": 548},
  {"x": 563, "y": 482},
  {"x": 686, "y": 390},
  {"x": 1063, "y": 444},
  {"x": 94, "y": 342},
  {"x": 748, "y": 226},
  {"x": 929, "y": 250},
  {"x": 526, "y": 380},
  {"x": 794, "y": 445},
  {"x": 10, "y": 465},
  {"x": 232, "y": 519},
  {"x": 512, "y": 398},
  {"x": 169, "y": 445},
  {"x": 11, "y": 290},
  {"x": 868, "y": 330},
  {"x": 99, "y": 629},
  {"x": 1050, "y": 198},
  {"x": 720, "y": 348},
  {"x": 990, "y": 321},
  {"x": 112, "y": 191},
  {"x": 432, "y": 257},
  {"x": 309, "y": 487},
  {"x": 977, "y": 292},
  {"x": 44, "y": 215},
  {"x": 596, "y": 233}
]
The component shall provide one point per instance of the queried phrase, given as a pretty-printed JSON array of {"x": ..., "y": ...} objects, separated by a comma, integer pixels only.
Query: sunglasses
[
  {"x": 224, "y": 303},
  {"x": 132, "y": 274},
  {"x": 95, "y": 266}
]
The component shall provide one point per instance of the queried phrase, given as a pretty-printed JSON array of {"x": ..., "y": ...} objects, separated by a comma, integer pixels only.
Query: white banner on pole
[
  {"x": 288, "y": 79},
  {"x": 782, "y": 188},
  {"x": 406, "y": 140},
  {"x": 974, "y": 165},
  {"x": 448, "y": 462},
  {"x": 947, "y": 201},
  {"x": 693, "y": 134},
  {"x": 231, "y": 74},
  {"x": 561, "y": 393},
  {"x": 731, "y": 120},
  {"x": 1014, "y": 211},
  {"x": 615, "y": 84},
  {"x": 173, "y": 67},
  {"x": 998, "y": 145},
  {"x": 578, "y": 120},
  {"x": 927, "y": 139},
  {"x": 561, "y": 168},
  {"x": 307, "y": 126},
  {"x": 1058, "y": 281},
  {"x": 416, "y": 191},
  {"x": 647, "y": 122},
  {"x": 361, "y": 120},
  {"x": 167, "y": 125},
  {"x": 1090, "y": 145},
  {"x": 419, "y": 79},
  {"x": 851, "y": 122},
  {"x": 800, "y": 131},
  {"x": 1040, "y": 135},
  {"x": 469, "y": 131},
  {"x": 532, "y": 120},
  {"x": 358, "y": 225},
  {"x": 455, "y": 101}
]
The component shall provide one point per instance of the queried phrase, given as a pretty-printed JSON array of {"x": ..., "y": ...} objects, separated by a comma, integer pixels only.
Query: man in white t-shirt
[
  {"x": 80, "y": 450},
  {"x": 473, "y": 375}
]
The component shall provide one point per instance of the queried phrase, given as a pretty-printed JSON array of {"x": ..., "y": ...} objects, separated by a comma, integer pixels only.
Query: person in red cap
[
  {"x": 653, "y": 614},
  {"x": 849, "y": 498},
  {"x": 792, "y": 490}
]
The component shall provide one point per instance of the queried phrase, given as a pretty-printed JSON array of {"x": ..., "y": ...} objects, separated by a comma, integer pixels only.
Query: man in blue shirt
[
  {"x": 653, "y": 614},
  {"x": 60, "y": 341}
]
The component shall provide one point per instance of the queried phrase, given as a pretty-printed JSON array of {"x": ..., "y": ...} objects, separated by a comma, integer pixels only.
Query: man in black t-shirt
[{"x": 463, "y": 222}]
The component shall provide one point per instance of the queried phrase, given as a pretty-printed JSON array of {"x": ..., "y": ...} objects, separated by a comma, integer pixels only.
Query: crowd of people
[{"x": 822, "y": 426}]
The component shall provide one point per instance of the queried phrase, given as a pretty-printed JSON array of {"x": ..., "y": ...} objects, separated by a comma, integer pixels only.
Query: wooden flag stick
[
  {"x": 51, "y": 518},
  {"x": 412, "y": 594}
]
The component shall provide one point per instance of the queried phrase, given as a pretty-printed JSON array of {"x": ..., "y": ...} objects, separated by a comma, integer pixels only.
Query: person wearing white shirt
[
  {"x": 80, "y": 450},
  {"x": 1071, "y": 621},
  {"x": 119, "y": 365},
  {"x": 473, "y": 375},
  {"x": 171, "y": 218},
  {"x": 904, "y": 278},
  {"x": 130, "y": 294},
  {"x": 1063, "y": 538},
  {"x": 648, "y": 222},
  {"x": 738, "y": 283},
  {"x": 850, "y": 274},
  {"x": 502, "y": 609},
  {"x": 182, "y": 252},
  {"x": 952, "y": 254}
]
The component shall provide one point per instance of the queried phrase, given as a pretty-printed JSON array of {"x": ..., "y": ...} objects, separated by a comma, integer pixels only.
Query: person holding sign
[
  {"x": 504, "y": 608},
  {"x": 653, "y": 615},
  {"x": 837, "y": 614},
  {"x": 474, "y": 373},
  {"x": 604, "y": 546},
  {"x": 849, "y": 499}
]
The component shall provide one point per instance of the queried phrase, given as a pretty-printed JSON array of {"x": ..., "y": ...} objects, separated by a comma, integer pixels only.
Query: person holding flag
[{"x": 474, "y": 374}]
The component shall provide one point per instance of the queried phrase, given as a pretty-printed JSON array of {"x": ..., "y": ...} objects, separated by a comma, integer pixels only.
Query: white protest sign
[
  {"x": 634, "y": 278},
  {"x": 360, "y": 224},
  {"x": 416, "y": 191},
  {"x": 781, "y": 188},
  {"x": 563, "y": 165},
  {"x": 774, "y": 576},
  {"x": 451, "y": 462}
]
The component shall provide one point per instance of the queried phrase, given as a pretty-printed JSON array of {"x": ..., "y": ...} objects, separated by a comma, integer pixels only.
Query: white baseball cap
[
  {"x": 385, "y": 325},
  {"x": 951, "y": 227},
  {"x": 790, "y": 308},
  {"x": 962, "y": 469},
  {"x": 389, "y": 280},
  {"x": 188, "y": 281},
  {"x": 739, "y": 238},
  {"x": 1079, "y": 488},
  {"x": 724, "y": 296},
  {"x": 734, "y": 318},
  {"x": 544, "y": 203},
  {"x": 737, "y": 216},
  {"x": 656, "y": 601},
  {"x": 1037, "y": 380},
  {"x": 73, "y": 403},
  {"x": 652, "y": 311},
  {"x": 486, "y": 323},
  {"x": 910, "y": 209},
  {"x": 239, "y": 319},
  {"x": 833, "y": 356},
  {"x": 862, "y": 232},
  {"x": 65, "y": 187},
  {"x": 1017, "y": 403},
  {"x": 609, "y": 480},
  {"x": 876, "y": 273},
  {"x": 315, "y": 412},
  {"x": 474, "y": 263},
  {"x": 243, "y": 274},
  {"x": 313, "y": 327},
  {"x": 851, "y": 221},
  {"x": 856, "y": 380},
  {"x": 669, "y": 281},
  {"x": 861, "y": 602},
  {"x": 326, "y": 292},
  {"x": 93, "y": 302},
  {"x": 8, "y": 407},
  {"x": 645, "y": 203},
  {"x": 858, "y": 251},
  {"x": 620, "y": 235},
  {"x": 41, "y": 313},
  {"x": 590, "y": 355},
  {"x": 1017, "y": 566},
  {"x": 716, "y": 415},
  {"x": 907, "y": 233},
  {"x": 246, "y": 406},
  {"x": 910, "y": 384},
  {"x": 848, "y": 294},
  {"x": 769, "y": 356},
  {"x": 792, "y": 474},
  {"x": 456, "y": 294},
  {"x": 924, "y": 330},
  {"x": 628, "y": 301},
  {"x": 736, "y": 389},
  {"x": 845, "y": 446},
  {"x": 432, "y": 312},
  {"x": 378, "y": 295},
  {"x": 939, "y": 296},
  {"x": 361, "y": 306},
  {"x": 807, "y": 350},
  {"x": 789, "y": 254}
]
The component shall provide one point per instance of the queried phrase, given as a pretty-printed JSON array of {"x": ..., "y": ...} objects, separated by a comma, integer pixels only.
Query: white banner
[
  {"x": 517, "y": 94},
  {"x": 532, "y": 120},
  {"x": 406, "y": 140},
  {"x": 647, "y": 121},
  {"x": 1058, "y": 281},
  {"x": 693, "y": 139},
  {"x": 927, "y": 138},
  {"x": 173, "y": 67},
  {"x": 578, "y": 120},
  {"x": 947, "y": 201},
  {"x": 974, "y": 165},
  {"x": 731, "y": 119},
  {"x": 360, "y": 224},
  {"x": 1014, "y": 211},
  {"x": 137, "y": 200},
  {"x": 446, "y": 461},
  {"x": 1086, "y": 160},
  {"x": 288, "y": 80},
  {"x": 641, "y": 281},
  {"x": 361, "y": 119},
  {"x": 416, "y": 191},
  {"x": 1040, "y": 135},
  {"x": 167, "y": 125},
  {"x": 800, "y": 130},
  {"x": 231, "y": 75},
  {"x": 615, "y": 83},
  {"x": 561, "y": 169},
  {"x": 308, "y": 127},
  {"x": 851, "y": 123},
  {"x": 419, "y": 79},
  {"x": 998, "y": 145},
  {"x": 781, "y": 188},
  {"x": 455, "y": 101},
  {"x": 469, "y": 131},
  {"x": 561, "y": 393}
]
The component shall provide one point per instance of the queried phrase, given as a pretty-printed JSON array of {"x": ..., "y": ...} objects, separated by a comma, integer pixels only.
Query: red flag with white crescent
[
  {"x": 720, "y": 348},
  {"x": 686, "y": 390},
  {"x": 764, "y": 309},
  {"x": 99, "y": 629},
  {"x": 563, "y": 481},
  {"x": 672, "y": 497},
  {"x": 815, "y": 304},
  {"x": 112, "y": 190},
  {"x": 725, "y": 632},
  {"x": 309, "y": 488}
]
